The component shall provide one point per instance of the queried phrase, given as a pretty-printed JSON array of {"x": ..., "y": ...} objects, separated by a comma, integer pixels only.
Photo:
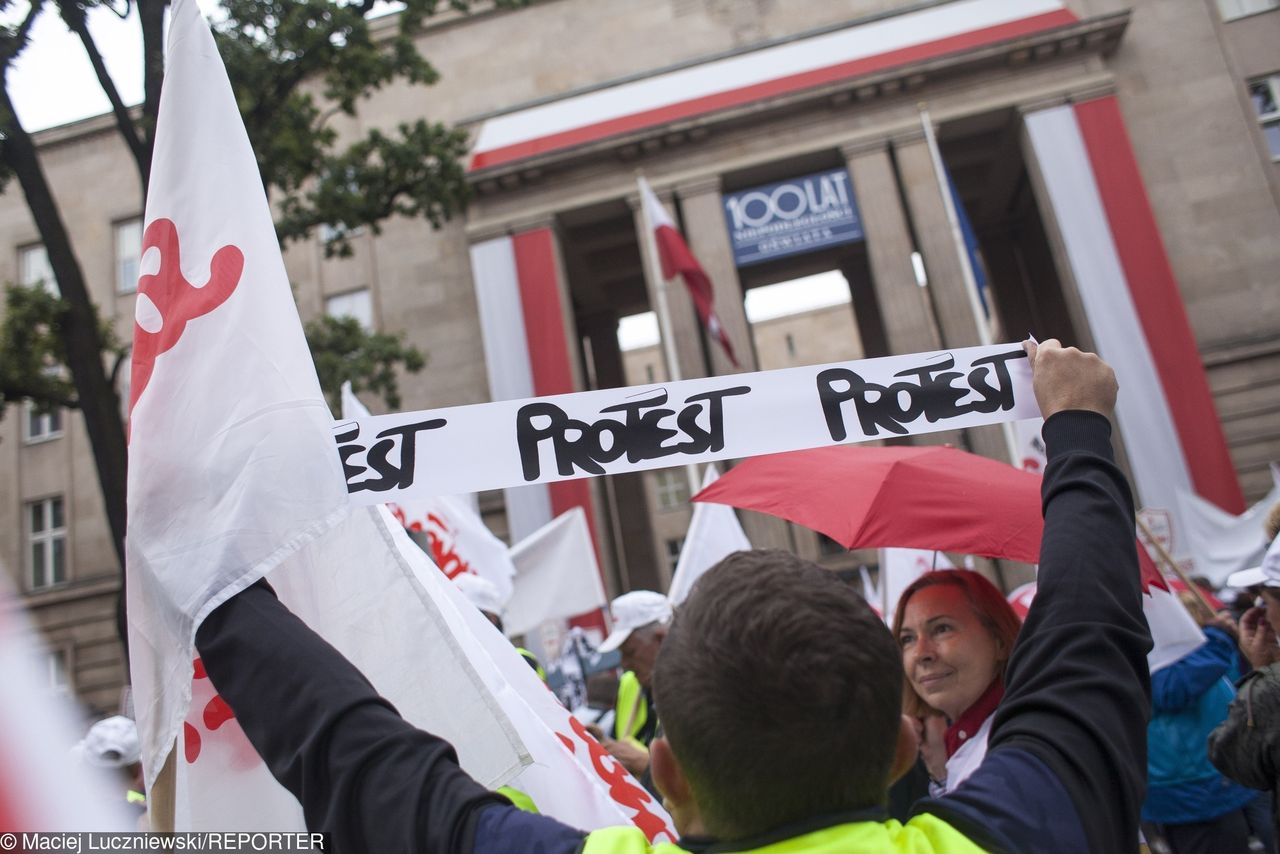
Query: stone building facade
[{"x": 1117, "y": 161}]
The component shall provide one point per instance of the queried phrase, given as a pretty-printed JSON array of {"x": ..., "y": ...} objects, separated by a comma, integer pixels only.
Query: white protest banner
[
  {"x": 714, "y": 534},
  {"x": 232, "y": 476},
  {"x": 556, "y": 574},
  {"x": 457, "y": 538},
  {"x": 518, "y": 442},
  {"x": 572, "y": 777}
]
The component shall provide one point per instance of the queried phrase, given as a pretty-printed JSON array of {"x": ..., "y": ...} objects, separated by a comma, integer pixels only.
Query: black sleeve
[
  {"x": 361, "y": 772},
  {"x": 1078, "y": 695}
]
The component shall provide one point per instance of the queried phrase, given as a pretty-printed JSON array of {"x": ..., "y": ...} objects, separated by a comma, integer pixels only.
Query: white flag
[
  {"x": 556, "y": 575},
  {"x": 572, "y": 777},
  {"x": 42, "y": 786},
  {"x": 714, "y": 534},
  {"x": 1220, "y": 543},
  {"x": 232, "y": 474},
  {"x": 457, "y": 538},
  {"x": 1174, "y": 633},
  {"x": 900, "y": 567}
]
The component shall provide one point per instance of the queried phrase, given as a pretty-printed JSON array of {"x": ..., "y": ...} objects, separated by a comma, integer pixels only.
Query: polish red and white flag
[
  {"x": 234, "y": 474},
  {"x": 676, "y": 259}
]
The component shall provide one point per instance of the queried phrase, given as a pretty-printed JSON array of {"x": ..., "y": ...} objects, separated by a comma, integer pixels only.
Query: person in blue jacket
[{"x": 1197, "y": 810}]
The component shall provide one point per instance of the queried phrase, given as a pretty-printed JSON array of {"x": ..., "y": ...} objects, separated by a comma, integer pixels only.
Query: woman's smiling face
[{"x": 949, "y": 655}]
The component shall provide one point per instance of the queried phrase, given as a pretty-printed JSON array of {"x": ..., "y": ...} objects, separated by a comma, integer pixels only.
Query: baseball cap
[
  {"x": 111, "y": 743},
  {"x": 479, "y": 592},
  {"x": 1266, "y": 574},
  {"x": 632, "y": 611}
]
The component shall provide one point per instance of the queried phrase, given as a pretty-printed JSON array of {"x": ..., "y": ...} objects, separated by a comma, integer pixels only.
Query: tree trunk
[{"x": 99, "y": 403}]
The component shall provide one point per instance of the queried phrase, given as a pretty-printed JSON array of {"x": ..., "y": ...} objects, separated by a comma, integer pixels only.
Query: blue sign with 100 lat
[{"x": 799, "y": 215}]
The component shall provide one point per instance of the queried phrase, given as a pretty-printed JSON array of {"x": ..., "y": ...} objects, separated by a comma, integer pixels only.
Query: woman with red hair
[{"x": 956, "y": 632}]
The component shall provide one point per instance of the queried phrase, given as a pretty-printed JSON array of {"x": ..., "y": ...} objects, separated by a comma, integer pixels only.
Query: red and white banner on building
[
  {"x": 1166, "y": 413},
  {"x": 877, "y": 45}
]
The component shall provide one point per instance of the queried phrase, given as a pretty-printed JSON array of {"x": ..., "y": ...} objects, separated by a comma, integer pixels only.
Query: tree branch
[
  {"x": 77, "y": 21},
  {"x": 20, "y": 36}
]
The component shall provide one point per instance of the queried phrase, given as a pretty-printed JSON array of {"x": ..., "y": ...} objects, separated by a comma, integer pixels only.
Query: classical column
[
  {"x": 624, "y": 517},
  {"x": 708, "y": 237},
  {"x": 904, "y": 309},
  {"x": 684, "y": 321},
  {"x": 942, "y": 263}
]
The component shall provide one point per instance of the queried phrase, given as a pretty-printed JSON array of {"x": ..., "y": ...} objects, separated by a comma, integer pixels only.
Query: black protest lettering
[
  {"x": 347, "y": 448},
  {"x": 393, "y": 475},
  {"x": 645, "y": 435},
  {"x": 999, "y": 397},
  {"x": 712, "y": 439},
  {"x": 883, "y": 411},
  {"x": 641, "y": 435},
  {"x": 934, "y": 395},
  {"x": 930, "y": 390},
  {"x": 568, "y": 453}
]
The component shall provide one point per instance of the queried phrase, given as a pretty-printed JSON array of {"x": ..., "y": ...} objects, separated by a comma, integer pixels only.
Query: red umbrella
[{"x": 930, "y": 497}]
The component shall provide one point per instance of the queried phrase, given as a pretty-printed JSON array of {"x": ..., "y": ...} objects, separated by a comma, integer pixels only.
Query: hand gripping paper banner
[{"x": 519, "y": 442}]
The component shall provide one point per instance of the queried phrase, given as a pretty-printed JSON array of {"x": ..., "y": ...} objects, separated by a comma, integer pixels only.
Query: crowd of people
[{"x": 773, "y": 711}]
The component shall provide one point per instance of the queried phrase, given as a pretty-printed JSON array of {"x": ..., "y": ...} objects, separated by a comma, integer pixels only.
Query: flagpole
[
  {"x": 962, "y": 251},
  {"x": 661, "y": 309}
]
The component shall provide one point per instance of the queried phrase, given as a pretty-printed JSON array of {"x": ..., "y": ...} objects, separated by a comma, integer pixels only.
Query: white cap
[
  {"x": 1267, "y": 573},
  {"x": 111, "y": 743},
  {"x": 480, "y": 592},
  {"x": 632, "y": 611}
]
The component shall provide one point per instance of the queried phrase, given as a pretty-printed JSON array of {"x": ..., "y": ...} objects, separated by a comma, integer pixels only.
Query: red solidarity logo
[
  {"x": 622, "y": 786},
  {"x": 175, "y": 300},
  {"x": 238, "y": 753},
  {"x": 441, "y": 542}
]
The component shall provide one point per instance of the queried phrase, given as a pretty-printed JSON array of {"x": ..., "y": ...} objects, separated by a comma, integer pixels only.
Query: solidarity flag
[
  {"x": 457, "y": 538},
  {"x": 232, "y": 474},
  {"x": 676, "y": 259},
  {"x": 557, "y": 576},
  {"x": 714, "y": 534}
]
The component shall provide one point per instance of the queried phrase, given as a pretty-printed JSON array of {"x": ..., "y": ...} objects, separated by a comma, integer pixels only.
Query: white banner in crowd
[
  {"x": 1221, "y": 543},
  {"x": 517, "y": 442},
  {"x": 556, "y": 575},
  {"x": 900, "y": 567},
  {"x": 714, "y": 534},
  {"x": 457, "y": 538}
]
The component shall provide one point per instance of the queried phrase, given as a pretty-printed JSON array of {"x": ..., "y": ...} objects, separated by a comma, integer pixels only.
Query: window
[
  {"x": 648, "y": 372},
  {"x": 673, "y": 488},
  {"x": 41, "y": 426},
  {"x": 357, "y": 304},
  {"x": 56, "y": 671},
  {"x": 1265, "y": 95},
  {"x": 128, "y": 254},
  {"x": 34, "y": 269},
  {"x": 673, "y": 552},
  {"x": 46, "y": 542},
  {"x": 1232, "y": 9}
]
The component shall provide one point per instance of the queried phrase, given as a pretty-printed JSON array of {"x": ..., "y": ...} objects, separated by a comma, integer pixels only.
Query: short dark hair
[{"x": 780, "y": 692}]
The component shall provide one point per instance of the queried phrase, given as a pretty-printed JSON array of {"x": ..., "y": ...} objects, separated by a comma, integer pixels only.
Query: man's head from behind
[{"x": 780, "y": 692}]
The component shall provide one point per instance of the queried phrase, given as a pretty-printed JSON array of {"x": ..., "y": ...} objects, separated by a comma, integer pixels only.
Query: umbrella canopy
[{"x": 931, "y": 497}]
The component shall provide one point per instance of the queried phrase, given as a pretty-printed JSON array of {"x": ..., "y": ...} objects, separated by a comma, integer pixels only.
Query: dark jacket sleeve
[
  {"x": 1078, "y": 695},
  {"x": 361, "y": 772},
  {"x": 1185, "y": 681},
  {"x": 1246, "y": 746}
]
